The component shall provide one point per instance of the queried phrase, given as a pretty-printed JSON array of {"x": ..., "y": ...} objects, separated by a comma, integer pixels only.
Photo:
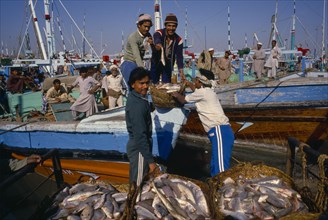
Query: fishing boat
[
  {"x": 102, "y": 134},
  {"x": 266, "y": 113}
]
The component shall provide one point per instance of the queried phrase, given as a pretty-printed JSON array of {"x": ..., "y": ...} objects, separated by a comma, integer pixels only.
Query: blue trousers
[
  {"x": 222, "y": 139},
  {"x": 126, "y": 69},
  {"x": 157, "y": 69}
]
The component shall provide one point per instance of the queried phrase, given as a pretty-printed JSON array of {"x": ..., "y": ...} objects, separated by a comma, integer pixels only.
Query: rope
[
  {"x": 321, "y": 198},
  {"x": 304, "y": 165}
]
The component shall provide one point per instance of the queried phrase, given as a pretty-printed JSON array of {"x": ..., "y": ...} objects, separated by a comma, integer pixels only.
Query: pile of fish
[
  {"x": 169, "y": 87},
  {"x": 89, "y": 201},
  {"x": 171, "y": 198},
  {"x": 267, "y": 197}
]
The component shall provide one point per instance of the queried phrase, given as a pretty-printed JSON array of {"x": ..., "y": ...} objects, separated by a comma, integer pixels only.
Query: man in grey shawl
[{"x": 86, "y": 102}]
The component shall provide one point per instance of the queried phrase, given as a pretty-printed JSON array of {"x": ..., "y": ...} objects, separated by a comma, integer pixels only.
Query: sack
[{"x": 114, "y": 94}]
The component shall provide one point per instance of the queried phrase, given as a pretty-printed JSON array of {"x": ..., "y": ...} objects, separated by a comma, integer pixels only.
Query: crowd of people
[{"x": 166, "y": 48}]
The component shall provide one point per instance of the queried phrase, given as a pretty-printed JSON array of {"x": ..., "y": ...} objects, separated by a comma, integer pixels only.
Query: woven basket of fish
[
  {"x": 168, "y": 196},
  {"x": 89, "y": 200},
  {"x": 161, "y": 97},
  {"x": 249, "y": 191}
]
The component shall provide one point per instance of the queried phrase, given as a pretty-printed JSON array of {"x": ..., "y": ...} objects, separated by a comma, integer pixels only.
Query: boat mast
[
  {"x": 323, "y": 35},
  {"x": 83, "y": 40},
  {"x": 49, "y": 35},
  {"x": 292, "y": 41},
  {"x": 61, "y": 34},
  {"x": 122, "y": 43},
  {"x": 229, "y": 42},
  {"x": 158, "y": 15},
  {"x": 37, "y": 31}
]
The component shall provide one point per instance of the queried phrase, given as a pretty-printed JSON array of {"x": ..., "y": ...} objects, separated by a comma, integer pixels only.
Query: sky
[{"x": 207, "y": 26}]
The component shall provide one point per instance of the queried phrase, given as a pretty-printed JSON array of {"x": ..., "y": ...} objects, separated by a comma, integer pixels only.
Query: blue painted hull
[
  {"x": 104, "y": 131},
  {"x": 300, "y": 93}
]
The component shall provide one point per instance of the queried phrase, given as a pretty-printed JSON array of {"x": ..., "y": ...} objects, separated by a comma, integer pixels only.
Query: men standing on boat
[
  {"x": 272, "y": 61},
  {"x": 114, "y": 87},
  {"x": 58, "y": 93},
  {"x": 224, "y": 67},
  {"x": 86, "y": 102},
  {"x": 213, "y": 119},
  {"x": 206, "y": 60},
  {"x": 136, "y": 46},
  {"x": 168, "y": 48},
  {"x": 258, "y": 64},
  {"x": 139, "y": 126}
]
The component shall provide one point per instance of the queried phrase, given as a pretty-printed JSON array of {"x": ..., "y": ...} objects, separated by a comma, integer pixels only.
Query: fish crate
[
  {"x": 162, "y": 99},
  {"x": 251, "y": 171},
  {"x": 150, "y": 179}
]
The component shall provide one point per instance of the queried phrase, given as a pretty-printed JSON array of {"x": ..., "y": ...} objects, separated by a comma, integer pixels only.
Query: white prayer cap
[
  {"x": 211, "y": 49},
  {"x": 112, "y": 67},
  {"x": 203, "y": 79},
  {"x": 259, "y": 43}
]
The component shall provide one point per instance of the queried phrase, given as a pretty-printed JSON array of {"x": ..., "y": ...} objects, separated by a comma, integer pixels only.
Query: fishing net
[
  {"x": 248, "y": 171},
  {"x": 162, "y": 99}
]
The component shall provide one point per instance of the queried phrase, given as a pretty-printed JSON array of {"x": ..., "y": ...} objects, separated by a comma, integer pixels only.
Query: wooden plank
[{"x": 62, "y": 111}]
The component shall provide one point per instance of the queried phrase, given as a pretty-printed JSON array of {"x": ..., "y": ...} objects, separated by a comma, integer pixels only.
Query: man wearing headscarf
[
  {"x": 213, "y": 119},
  {"x": 86, "y": 102},
  {"x": 114, "y": 87},
  {"x": 168, "y": 48},
  {"x": 272, "y": 61},
  {"x": 258, "y": 64},
  {"x": 224, "y": 67},
  {"x": 136, "y": 46}
]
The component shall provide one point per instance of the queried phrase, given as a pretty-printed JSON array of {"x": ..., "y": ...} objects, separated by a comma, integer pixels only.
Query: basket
[
  {"x": 162, "y": 99},
  {"x": 248, "y": 171},
  {"x": 203, "y": 186}
]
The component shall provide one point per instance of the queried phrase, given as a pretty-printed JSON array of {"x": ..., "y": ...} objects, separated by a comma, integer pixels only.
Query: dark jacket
[
  {"x": 139, "y": 126},
  {"x": 176, "y": 52}
]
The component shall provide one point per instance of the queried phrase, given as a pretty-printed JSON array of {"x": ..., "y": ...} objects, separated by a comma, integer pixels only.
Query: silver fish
[
  {"x": 87, "y": 213},
  {"x": 120, "y": 196},
  {"x": 82, "y": 195},
  {"x": 167, "y": 204},
  {"x": 159, "y": 209},
  {"x": 73, "y": 217}
]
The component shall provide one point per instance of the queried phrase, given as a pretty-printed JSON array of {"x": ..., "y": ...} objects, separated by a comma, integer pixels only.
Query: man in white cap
[
  {"x": 213, "y": 119},
  {"x": 258, "y": 64},
  {"x": 136, "y": 46},
  {"x": 114, "y": 87}
]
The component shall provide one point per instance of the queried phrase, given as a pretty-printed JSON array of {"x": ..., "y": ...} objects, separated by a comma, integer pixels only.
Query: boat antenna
[
  {"x": 83, "y": 35},
  {"x": 246, "y": 40}
]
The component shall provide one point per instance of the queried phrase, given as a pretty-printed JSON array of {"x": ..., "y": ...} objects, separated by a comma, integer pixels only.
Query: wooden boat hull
[
  {"x": 75, "y": 169},
  {"x": 268, "y": 113},
  {"x": 271, "y": 126}
]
